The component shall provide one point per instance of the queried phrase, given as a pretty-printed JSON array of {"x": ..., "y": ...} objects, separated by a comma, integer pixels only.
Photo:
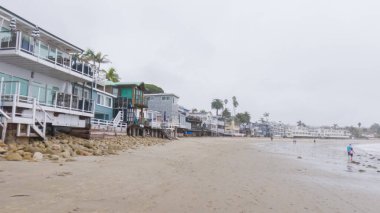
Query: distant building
[
  {"x": 166, "y": 104},
  {"x": 206, "y": 123}
]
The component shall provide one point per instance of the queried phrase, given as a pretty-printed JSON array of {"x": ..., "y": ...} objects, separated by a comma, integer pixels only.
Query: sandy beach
[{"x": 201, "y": 175}]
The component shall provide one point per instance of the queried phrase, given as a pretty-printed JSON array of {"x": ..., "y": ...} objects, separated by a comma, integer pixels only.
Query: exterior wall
[
  {"x": 102, "y": 111},
  {"x": 167, "y": 107},
  {"x": 126, "y": 92}
]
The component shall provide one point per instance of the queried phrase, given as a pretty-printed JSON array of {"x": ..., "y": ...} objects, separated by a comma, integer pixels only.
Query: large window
[
  {"x": 100, "y": 99},
  {"x": 104, "y": 100},
  {"x": 108, "y": 101}
]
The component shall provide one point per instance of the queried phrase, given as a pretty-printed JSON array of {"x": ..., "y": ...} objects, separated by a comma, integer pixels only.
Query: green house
[{"x": 129, "y": 99}]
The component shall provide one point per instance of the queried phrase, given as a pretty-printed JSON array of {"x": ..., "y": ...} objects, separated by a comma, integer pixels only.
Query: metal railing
[
  {"x": 21, "y": 41},
  {"x": 103, "y": 122},
  {"x": 123, "y": 103}
]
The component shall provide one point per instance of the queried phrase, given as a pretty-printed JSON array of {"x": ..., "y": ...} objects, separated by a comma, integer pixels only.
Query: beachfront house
[
  {"x": 129, "y": 100},
  {"x": 167, "y": 105},
  {"x": 173, "y": 115},
  {"x": 183, "y": 124},
  {"x": 43, "y": 84},
  {"x": 129, "y": 104},
  {"x": 204, "y": 123},
  {"x": 106, "y": 121}
]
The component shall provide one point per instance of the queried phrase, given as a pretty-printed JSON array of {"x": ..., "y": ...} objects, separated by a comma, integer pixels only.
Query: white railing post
[
  {"x": 56, "y": 55},
  {"x": 38, "y": 94},
  {"x": 44, "y": 127},
  {"x": 34, "y": 109},
  {"x": 39, "y": 49},
  {"x": 71, "y": 101},
  {"x": 14, "y": 106},
  {"x": 55, "y": 99},
  {"x": 82, "y": 68},
  {"x": 83, "y": 102},
  {"x": 18, "y": 40},
  {"x": 70, "y": 62},
  {"x": 1, "y": 88}
]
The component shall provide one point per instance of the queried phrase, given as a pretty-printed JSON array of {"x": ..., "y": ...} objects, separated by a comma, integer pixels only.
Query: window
[
  {"x": 86, "y": 94},
  {"x": 115, "y": 91},
  {"x": 100, "y": 99},
  {"x": 109, "y": 102},
  {"x": 104, "y": 100}
]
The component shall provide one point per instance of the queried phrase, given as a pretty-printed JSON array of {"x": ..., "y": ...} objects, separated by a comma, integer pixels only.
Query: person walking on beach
[{"x": 350, "y": 152}]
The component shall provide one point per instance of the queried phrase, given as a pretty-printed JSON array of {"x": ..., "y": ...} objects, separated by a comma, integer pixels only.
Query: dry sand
[{"x": 197, "y": 175}]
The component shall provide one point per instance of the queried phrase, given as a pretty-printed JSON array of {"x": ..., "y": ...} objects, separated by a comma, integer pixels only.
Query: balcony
[
  {"x": 123, "y": 103},
  {"x": 127, "y": 103},
  {"x": 49, "y": 99},
  {"x": 19, "y": 49}
]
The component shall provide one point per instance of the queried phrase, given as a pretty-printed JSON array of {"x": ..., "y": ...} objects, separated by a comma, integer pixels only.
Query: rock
[
  {"x": 54, "y": 157},
  {"x": 98, "y": 152},
  {"x": 12, "y": 147},
  {"x": 21, "y": 152},
  {"x": 13, "y": 156},
  {"x": 32, "y": 149},
  {"x": 65, "y": 154},
  {"x": 56, "y": 147},
  {"x": 88, "y": 144},
  {"x": 27, "y": 156},
  {"x": 37, "y": 156},
  {"x": 49, "y": 151},
  {"x": 3, "y": 150},
  {"x": 82, "y": 152}
]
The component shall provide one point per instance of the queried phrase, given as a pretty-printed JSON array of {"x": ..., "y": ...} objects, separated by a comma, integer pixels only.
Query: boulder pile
[{"x": 63, "y": 147}]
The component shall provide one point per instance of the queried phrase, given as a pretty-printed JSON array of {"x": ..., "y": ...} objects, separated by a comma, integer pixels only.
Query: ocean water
[
  {"x": 330, "y": 157},
  {"x": 372, "y": 148}
]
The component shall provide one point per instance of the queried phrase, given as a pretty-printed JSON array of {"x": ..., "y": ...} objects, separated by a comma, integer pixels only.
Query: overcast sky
[{"x": 315, "y": 61}]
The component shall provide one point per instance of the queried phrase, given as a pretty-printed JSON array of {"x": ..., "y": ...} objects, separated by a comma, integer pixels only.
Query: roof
[
  {"x": 110, "y": 83},
  {"x": 141, "y": 85},
  {"x": 162, "y": 94},
  {"x": 19, "y": 18}
]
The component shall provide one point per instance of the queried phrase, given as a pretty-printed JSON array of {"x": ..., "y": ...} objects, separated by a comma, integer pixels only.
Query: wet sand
[{"x": 200, "y": 175}]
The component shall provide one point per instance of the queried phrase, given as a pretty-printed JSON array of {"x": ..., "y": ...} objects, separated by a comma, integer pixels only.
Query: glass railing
[
  {"x": 45, "y": 97},
  {"x": 43, "y": 50},
  {"x": 8, "y": 40}
]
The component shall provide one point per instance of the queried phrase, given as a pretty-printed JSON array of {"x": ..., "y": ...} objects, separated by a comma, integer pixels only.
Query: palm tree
[
  {"x": 89, "y": 55},
  {"x": 301, "y": 124},
  {"x": 217, "y": 104},
  {"x": 97, "y": 58},
  {"x": 101, "y": 59},
  {"x": 112, "y": 75},
  {"x": 235, "y": 103},
  {"x": 359, "y": 124},
  {"x": 226, "y": 113}
]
